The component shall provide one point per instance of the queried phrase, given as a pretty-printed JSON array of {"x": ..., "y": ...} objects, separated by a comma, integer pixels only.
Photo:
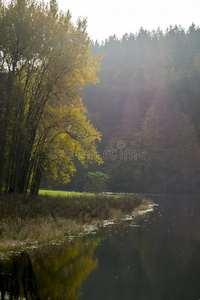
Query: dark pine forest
[{"x": 147, "y": 107}]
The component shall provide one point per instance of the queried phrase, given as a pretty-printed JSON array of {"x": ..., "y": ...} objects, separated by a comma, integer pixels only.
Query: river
[{"x": 156, "y": 257}]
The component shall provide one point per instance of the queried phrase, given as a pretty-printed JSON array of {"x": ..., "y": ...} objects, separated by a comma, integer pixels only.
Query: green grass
[{"x": 64, "y": 193}]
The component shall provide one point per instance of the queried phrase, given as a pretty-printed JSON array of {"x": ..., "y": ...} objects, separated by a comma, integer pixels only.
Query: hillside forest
[
  {"x": 128, "y": 108},
  {"x": 147, "y": 107}
]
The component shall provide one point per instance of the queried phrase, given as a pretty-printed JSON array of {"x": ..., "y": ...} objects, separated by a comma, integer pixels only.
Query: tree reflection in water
[
  {"x": 17, "y": 280},
  {"x": 53, "y": 273}
]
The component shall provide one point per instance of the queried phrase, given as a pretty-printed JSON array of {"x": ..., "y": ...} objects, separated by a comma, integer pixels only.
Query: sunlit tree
[{"x": 45, "y": 63}]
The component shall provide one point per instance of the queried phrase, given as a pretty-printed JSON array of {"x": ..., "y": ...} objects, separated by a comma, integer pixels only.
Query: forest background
[{"x": 147, "y": 107}]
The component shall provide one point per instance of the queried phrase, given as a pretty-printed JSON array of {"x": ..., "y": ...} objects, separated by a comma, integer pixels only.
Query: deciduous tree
[{"x": 45, "y": 63}]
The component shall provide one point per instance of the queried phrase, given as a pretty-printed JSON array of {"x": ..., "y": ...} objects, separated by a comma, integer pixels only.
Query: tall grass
[{"x": 29, "y": 220}]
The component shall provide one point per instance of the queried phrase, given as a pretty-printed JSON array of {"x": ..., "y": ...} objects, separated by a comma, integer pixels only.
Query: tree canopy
[{"x": 45, "y": 62}]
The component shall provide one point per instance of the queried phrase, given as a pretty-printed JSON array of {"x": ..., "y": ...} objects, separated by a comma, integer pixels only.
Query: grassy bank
[{"x": 54, "y": 215}]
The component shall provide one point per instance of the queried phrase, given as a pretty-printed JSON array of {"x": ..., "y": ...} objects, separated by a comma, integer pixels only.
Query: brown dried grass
[{"x": 35, "y": 220}]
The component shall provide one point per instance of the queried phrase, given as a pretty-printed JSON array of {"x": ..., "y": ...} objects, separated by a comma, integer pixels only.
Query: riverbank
[{"x": 31, "y": 221}]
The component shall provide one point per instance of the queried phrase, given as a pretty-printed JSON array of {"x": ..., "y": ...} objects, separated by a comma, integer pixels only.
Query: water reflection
[
  {"x": 157, "y": 260},
  {"x": 54, "y": 273},
  {"x": 17, "y": 279}
]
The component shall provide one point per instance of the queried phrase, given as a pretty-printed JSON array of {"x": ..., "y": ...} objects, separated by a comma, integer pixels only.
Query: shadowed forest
[
  {"x": 61, "y": 95},
  {"x": 148, "y": 100}
]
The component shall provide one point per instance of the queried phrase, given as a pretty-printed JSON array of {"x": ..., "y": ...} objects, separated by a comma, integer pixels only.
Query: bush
[{"x": 96, "y": 182}]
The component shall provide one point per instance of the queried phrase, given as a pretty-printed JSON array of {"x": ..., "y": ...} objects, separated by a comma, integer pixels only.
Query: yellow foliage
[{"x": 48, "y": 61}]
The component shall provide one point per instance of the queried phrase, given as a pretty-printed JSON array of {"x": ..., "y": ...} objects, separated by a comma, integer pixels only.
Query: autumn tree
[{"x": 45, "y": 63}]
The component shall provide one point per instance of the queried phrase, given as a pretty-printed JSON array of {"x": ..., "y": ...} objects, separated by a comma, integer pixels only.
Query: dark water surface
[{"x": 155, "y": 258}]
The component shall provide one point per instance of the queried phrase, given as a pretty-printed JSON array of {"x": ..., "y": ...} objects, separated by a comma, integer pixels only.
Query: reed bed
[{"x": 27, "y": 220}]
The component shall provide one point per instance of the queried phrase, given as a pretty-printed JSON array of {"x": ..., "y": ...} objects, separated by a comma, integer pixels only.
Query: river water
[{"x": 156, "y": 257}]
